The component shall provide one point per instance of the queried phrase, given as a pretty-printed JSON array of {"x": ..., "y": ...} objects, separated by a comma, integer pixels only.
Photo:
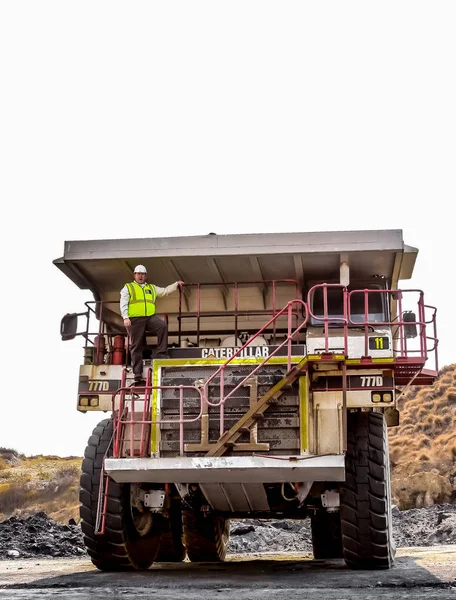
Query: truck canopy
[{"x": 103, "y": 266}]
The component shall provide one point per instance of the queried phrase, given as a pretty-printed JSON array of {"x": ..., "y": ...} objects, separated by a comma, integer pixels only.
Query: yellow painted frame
[{"x": 173, "y": 362}]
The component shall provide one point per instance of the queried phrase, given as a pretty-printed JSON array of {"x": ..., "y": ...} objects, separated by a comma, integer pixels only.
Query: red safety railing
[
  {"x": 288, "y": 310},
  {"x": 400, "y": 326},
  {"x": 100, "y": 345},
  {"x": 236, "y": 313},
  {"x": 124, "y": 411}
]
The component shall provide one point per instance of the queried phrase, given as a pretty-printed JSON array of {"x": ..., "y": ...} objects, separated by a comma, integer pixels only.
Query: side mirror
[
  {"x": 69, "y": 326},
  {"x": 409, "y": 319}
]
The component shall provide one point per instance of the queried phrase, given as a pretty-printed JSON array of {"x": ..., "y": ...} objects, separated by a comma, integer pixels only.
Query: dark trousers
[{"x": 140, "y": 327}]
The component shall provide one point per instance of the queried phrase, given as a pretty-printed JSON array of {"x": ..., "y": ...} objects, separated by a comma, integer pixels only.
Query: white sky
[{"x": 145, "y": 119}]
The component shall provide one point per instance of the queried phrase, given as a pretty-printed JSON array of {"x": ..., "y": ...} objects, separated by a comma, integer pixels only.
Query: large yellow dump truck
[{"x": 287, "y": 354}]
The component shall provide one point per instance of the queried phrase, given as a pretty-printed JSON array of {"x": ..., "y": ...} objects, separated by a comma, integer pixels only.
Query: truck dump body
[
  {"x": 285, "y": 350},
  {"x": 103, "y": 266}
]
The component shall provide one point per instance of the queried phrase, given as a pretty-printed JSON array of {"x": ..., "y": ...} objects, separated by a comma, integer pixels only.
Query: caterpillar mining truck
[{"x": 287, "y": 355}]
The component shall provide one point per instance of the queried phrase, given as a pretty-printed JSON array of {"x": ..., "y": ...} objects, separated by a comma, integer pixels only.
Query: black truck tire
[
  {"x": 326, "y": 535},
  {"x": 205, "y": 536},
  {"x": 172, "y": 547},
  {"x": 365, "y": 498},
  {"x": 131, "y": 539}
]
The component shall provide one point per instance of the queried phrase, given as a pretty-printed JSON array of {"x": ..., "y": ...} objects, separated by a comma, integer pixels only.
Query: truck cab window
[{"x": 377, "y": 310}]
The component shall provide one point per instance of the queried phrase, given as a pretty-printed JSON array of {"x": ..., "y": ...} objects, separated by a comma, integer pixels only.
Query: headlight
[
  {"x": 387, "y": 397},
  {"x": 376, "y": 397},
  {"x": 83, "y": 401},
  {"x": 94, "y": 401}
]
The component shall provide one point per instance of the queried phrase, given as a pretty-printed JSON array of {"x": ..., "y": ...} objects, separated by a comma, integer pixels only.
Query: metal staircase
[{"x": 250, "y": 418}]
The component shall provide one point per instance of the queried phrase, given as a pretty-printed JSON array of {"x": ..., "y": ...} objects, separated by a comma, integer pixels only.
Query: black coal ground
[{"x": 39, "y": 536}]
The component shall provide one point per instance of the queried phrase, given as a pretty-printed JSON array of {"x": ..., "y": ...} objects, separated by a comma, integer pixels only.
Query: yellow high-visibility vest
[{"x": 142, "y": 300}]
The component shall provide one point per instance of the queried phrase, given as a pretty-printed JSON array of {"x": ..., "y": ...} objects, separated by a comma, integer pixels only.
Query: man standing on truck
[{"x": 137, "y": 307}]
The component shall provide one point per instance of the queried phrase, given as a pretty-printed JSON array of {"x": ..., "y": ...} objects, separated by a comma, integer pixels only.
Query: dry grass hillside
[
  {"x": 423, "y": 446},
  {"x": 39, "y": 483},
  {"x": 422, "y": 450}
]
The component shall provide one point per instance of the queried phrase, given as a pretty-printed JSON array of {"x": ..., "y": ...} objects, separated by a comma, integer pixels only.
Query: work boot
[
  {"x": 138, "y": 382},
  {"x": 161, "y": 355}
]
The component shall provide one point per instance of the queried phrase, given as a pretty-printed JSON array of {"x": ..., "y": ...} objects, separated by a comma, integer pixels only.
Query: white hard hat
[{"x": 140, "y": 269}]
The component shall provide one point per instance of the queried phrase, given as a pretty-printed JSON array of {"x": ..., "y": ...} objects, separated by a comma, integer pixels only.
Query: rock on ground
[
  {"x": 40, "y": 536},
  {"x": 430, "y": 526}
]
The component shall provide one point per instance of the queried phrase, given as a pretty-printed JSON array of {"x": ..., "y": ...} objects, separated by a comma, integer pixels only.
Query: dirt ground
[{"x": 417, "y": 573}]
